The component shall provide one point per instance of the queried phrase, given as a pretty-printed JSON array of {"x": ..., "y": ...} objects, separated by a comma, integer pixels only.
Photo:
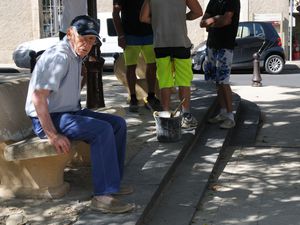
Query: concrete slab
[
  {"x": 255, "y": 192},
  {"x": 145, "y": 171}
]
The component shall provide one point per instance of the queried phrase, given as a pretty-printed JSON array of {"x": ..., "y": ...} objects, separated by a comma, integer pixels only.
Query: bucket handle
[{"x": 172, "y": 114}]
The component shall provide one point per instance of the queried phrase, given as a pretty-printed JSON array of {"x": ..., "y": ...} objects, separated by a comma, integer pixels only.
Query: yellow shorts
[
  {"x": 132, "y": 52},
  {"x": 174, "y": 73}
]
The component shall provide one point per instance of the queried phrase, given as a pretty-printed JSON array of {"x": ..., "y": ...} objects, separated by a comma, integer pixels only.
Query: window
[
  {"x": 245, "y": 30},
  {"x": 259, "y": 31},
  {"x": 111, "y": 28},
  {"x": 52, "y": 10}
]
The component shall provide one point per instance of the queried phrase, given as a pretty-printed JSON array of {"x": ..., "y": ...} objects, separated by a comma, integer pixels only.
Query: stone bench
[{"x": 29, "y": 167}]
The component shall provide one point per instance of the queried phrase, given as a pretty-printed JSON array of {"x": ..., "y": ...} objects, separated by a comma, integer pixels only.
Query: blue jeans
[{"x": 106, "y": 135}]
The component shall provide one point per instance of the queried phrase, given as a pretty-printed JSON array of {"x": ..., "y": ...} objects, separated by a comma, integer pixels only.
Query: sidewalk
[
  {"x": 261, "y": 184},
  {"x": 290, "y": 65},
  {"x": 150, "y": 161}
]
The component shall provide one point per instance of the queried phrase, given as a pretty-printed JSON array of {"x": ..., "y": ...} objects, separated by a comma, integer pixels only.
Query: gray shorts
[{"x": 217, "y": 66}]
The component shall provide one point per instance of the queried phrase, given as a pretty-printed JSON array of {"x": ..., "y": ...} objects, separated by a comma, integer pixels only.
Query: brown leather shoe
[
  {"x": 125, "y": 190},
  {"x": 109, "y": 204}
]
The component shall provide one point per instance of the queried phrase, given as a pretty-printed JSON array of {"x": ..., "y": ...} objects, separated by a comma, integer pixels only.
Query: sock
[
  {"x": 133, "y": 97},
  {"x": 230, "y": 115},
  {"x": 185, "y": 110},
  {"x": 223, "y": 111},
  {"x": 151, "y": 95}
]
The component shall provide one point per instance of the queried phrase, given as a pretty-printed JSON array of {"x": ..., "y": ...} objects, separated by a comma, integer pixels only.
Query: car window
[
  {"x": 247, "y": 30},
  {"x": 258, "y": 30},
  {"x": 239, "y": 32},
  {"x": 111, "y": 28}
]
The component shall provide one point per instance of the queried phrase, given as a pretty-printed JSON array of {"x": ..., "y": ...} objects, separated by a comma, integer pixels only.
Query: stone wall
[
  {"x": 19, "y": 22},
  {"x": 271, "y": 6},
  {"x": 196, "y": 34},
  {"x": 248, "y": 7}
]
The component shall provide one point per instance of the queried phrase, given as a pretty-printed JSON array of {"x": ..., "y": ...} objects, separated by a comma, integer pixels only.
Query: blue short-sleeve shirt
[{"x": 58, "y": 70}]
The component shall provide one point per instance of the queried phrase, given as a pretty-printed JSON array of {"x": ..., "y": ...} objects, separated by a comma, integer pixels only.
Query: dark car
[{"x": 252, "y": 37}]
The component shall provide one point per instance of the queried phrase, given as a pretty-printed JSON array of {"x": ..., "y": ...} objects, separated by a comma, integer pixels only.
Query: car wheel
[{"x": 274, "y": 64}]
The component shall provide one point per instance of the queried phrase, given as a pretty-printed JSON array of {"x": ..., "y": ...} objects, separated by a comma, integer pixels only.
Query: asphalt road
[{"x": 288, "y": 78}]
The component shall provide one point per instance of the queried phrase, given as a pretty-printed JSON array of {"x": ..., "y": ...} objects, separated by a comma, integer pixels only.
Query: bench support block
[{"x": 33, "y": 178}]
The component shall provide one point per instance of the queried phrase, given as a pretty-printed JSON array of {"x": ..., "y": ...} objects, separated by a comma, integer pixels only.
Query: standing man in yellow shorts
[
  {"x": 135, "y": 38},
  {"x": 173, "y": 49}
]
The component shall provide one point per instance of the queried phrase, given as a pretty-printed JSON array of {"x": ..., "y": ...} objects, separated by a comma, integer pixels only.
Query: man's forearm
[
  {"x": 220, "y": 21},
  {"x": 195, "y": 10},
  {"x": 41, "y": 106},
  {"x": 206, "y": 21},
  {"x": 117, "y": 20},
  {"x": 60, "y": 142},
  {"x": 192, "y": 15},
  {"x": 145, "y": 14}
]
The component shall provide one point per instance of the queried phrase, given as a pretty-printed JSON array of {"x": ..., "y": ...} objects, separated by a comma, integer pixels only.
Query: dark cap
[{"x": 86, "y": 25}]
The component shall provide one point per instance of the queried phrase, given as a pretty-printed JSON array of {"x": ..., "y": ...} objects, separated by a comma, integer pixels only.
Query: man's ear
[{"x": 69, "y": 33}]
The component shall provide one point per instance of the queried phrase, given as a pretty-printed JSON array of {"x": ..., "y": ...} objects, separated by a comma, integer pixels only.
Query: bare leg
[
  {"x": 220, "y": 96},
  {"x": 225, "y": 97},
  {"x": 151, "y": 77},
  {"x": 131, "y": 78},
  {"x": 165, "y": 98},
  {"x": 185, "y": 92}
]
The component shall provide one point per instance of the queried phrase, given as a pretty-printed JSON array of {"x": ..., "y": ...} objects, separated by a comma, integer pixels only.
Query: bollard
[
  {"x": 256, "y": 78},
  {"x": 95, "y": 98}
]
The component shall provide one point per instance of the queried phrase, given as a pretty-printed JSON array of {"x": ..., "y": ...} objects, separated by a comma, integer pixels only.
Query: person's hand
[
  {"x": 61, "y": 143},
  {"x": 122, "y": 42}
]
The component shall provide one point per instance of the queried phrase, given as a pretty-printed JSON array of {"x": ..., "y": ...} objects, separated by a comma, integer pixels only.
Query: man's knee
[{"x": 121, "y": 122}]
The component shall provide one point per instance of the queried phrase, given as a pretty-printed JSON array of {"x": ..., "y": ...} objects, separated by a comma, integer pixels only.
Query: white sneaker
[
  {"x": 188, "y": 121},
  {"x": 217, "y": 119},
  {"x": 227, "y": 124}
]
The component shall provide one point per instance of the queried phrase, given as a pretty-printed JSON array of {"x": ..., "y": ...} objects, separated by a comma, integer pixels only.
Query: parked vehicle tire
[{"x": 274, "y": 64}]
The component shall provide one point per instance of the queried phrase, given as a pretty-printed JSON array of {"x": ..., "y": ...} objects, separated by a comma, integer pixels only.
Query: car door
[
  {"x": 237, "y": 49},
  {"x": 109, "y": 38},
  {"x": 250, "y": 41}
]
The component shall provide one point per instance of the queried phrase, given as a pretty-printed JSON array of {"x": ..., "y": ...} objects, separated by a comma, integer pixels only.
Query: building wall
[
  {"x": 248, "y": 7},
  {"x": 104, "y": 5},
  {"x": 20, "y": 20},
  {"x": 196, "y": 34},
  {"x": 273, "y": 6},
  {"x": 17, "y": 25}
]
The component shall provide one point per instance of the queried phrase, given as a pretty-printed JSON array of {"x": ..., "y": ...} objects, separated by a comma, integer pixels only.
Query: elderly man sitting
[{"x": 53, "y": 104}]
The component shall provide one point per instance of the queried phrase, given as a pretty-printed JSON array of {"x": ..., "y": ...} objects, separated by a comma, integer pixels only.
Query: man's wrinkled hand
[{"x": 61, "y": 143}]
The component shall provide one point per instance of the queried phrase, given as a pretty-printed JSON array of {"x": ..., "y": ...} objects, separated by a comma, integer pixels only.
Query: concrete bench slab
[
  {"x": 31, "y": 148},
  {"x": 29, "y": 167}
]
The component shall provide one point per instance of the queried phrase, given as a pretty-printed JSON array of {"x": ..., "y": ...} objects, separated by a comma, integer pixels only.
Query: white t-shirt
[{"x": 71, "y": 9}]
